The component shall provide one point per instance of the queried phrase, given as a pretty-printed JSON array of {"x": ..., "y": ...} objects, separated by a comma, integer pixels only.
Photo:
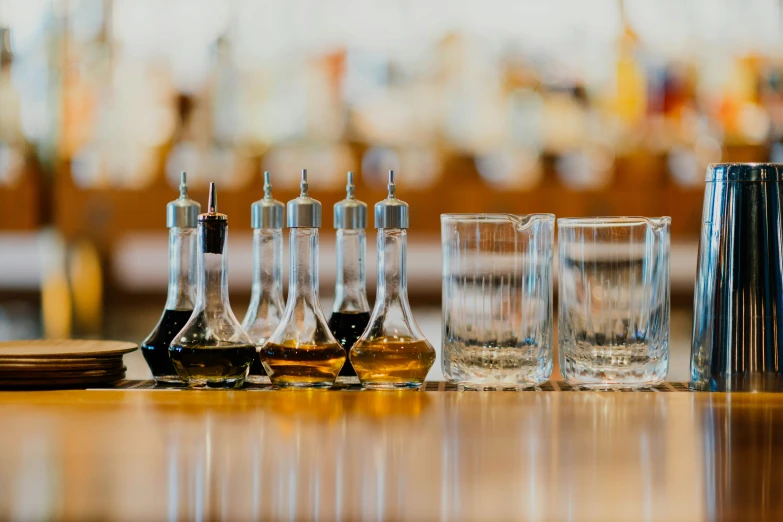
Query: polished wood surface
[{"x": 305, "y": 455}]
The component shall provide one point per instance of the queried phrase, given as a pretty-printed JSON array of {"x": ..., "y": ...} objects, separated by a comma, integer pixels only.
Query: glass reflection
[
  {"x": 629, "y": 450},
  {"x": 743, "y": 458}
]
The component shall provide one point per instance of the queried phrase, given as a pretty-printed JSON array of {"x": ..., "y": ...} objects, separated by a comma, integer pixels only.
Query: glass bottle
[
  {"x": 392, "y": 352},
  {"x": 266, "y": 300},
  {"x": 351, "y": 312},
  {"x": 13, "y": 144},
  {"x": 181, "y": 219},
  {"x": 302, "y": 351},
  {"x": 212, "y": 349}
]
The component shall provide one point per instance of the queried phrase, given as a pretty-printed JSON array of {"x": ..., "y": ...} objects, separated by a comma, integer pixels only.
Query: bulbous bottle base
[
  {"x": 222, "y": 367},
  {"x": 222, "y": 384},
  {"x": 283, "y": 383},
  {"x": 392, "y": 362},
  {"x": 303, "y": 365},
  {"x": 396, "y": 385},
  {"x": 168, "y": 379}
]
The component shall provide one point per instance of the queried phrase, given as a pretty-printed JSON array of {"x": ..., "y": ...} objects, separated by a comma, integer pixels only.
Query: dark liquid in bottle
[
  {"x": 156, "y": 347},
  {"x": 256, "y": 368},
  {"x": 347, "y": 327},
  {"x": 223, "y": 366}
]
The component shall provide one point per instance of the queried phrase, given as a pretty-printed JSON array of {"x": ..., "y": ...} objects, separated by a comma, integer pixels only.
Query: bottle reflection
[
  {"x": 296, "y": 455},
  {"x": 214, "y": 471},
  {"x": 390, "y": 475},
  {"x": 743, "y": 459}
]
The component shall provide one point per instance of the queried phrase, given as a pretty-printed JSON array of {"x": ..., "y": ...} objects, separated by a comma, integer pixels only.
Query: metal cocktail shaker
[{"x": 738, "y": 303}]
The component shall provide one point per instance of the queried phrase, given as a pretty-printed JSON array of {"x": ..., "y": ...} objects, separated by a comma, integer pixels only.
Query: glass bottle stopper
[
  {"x": 267, "y": 212},
  {"x": 350, "y": 212},
  {"x": 183, "y": 212},
  {"x": 304, "y": 211},
  {"x": 391, "y": 212}
]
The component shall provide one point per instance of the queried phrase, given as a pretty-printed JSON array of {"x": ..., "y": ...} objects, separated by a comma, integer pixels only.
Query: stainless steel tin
[
  {"x": 304, "y": 211},
  {"x": 267, "y": 212},
  {"x": 350, "y": 212},
  {"x": 738, "y": 304},
  {"x": 183, "y": 212},
  {"x": 391, "y": 212}
]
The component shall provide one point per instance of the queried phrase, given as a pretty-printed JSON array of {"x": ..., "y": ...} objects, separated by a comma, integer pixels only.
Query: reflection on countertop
[{"x": 390, "y": 455}]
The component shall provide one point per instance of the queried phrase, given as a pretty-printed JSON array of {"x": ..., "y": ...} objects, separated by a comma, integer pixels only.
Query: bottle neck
[
  {"x": 267, "y": 264},
  {"x": 213, "y": 274},
  {"x": 182, "y": 269},
  {"x": 392, "y": 272},
  {"x": 303, "y": 276},
  {"x": 350, "y": 292}
]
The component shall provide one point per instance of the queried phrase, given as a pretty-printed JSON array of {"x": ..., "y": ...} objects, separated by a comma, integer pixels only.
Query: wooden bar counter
[{"x": 326, "y": 455}]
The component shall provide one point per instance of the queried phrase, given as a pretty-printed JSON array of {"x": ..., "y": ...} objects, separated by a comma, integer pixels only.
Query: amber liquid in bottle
[
  {"x": 392, "y": 353},
  {"x": 392, "y": 360},
  {"x": 292, "y": 364},
  {"x": 302, "y": 352}
]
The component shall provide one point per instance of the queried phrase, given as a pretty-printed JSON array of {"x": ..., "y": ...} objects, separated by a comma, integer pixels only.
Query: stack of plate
[{"x": 62, "y": 364}]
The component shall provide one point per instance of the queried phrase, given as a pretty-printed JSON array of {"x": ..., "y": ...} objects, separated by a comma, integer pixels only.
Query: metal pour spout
[{"x": 212, "y": 204}]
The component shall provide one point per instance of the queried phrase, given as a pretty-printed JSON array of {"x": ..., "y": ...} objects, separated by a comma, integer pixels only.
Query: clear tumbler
[
  {"x": 497, "y": 299},
  {"x": 613, "y": 320}
]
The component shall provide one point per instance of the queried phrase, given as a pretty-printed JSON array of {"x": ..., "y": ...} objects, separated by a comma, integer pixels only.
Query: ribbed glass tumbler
[
  {"x": 497, "y": 299},
  {"x": 613, "y": 314}
]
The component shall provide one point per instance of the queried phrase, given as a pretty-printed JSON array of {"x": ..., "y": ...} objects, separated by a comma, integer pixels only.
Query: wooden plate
[
  {"x": 59, "y": 384},
  {"x": 62, "y": 382},
  {"x": 60, "y": 364},
  {"x": 43, "y": 375},
  {"x": 21, "y": 367},
  {"x": 67, "y": 349},
  {"x": 60, "y": 361}
]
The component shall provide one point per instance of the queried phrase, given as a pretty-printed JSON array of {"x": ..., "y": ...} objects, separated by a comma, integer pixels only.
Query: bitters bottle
[
  {"x": 351, "y": 312},
  {"x": 181, "y": 220},
  {"x": 266, "y": 300},
  {"x": 392, "y": 352},
  {"x": 302, "y": 351},
  {"x": 212, "y": 349}
]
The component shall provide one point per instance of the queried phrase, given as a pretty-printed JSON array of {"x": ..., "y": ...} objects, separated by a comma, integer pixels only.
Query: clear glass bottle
[
  {"x": 392, "y": 352},
  {"x": 181, "y": 219},
  {"x": 266, "y": 300},
  {"x": 351, "y": 312},
  {"x": 13, "y": 145},
  {"x": 302, "y": 351},
  {"x": 212, "y": 349}
]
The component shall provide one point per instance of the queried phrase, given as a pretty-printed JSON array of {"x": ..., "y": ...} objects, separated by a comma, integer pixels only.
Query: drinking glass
[
  {"x": 497, "y": 299},
  {"x": 613, "y": 317}
]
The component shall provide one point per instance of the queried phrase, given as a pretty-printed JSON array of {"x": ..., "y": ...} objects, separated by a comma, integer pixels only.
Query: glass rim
[
  {"x": 490, "y": 216},
  {"x": 597, "y": 221}
]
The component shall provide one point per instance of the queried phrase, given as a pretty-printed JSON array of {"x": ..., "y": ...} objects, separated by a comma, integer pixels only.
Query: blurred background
[{"x": 606, "y": 107}]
